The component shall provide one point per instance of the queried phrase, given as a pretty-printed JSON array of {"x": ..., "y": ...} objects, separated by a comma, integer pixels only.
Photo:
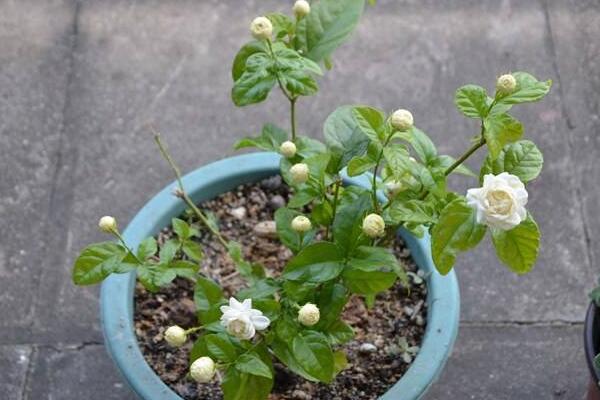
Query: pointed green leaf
[
  {"x": 471, "y": 101},
  {"x": 518, "y": 248},
  {"x": 522, "y": 159}
]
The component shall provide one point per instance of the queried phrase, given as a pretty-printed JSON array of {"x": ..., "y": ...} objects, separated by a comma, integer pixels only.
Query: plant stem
[
  {"x": 293, "y": 118},
  {"x": 122, "y": 240},
  {"x": 467, "y": 154},
  {"x": 376, "y": 204},
  {"x": 336, "y": 192},
  {"x": 183, "y": 195}
]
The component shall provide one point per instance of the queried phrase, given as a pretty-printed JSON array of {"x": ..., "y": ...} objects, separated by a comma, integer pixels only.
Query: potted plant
[{"x": 343, "y": 287}]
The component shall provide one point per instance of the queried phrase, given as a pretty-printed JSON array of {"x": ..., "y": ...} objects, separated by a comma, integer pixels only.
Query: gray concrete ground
[{"x": 78, "y": 80}]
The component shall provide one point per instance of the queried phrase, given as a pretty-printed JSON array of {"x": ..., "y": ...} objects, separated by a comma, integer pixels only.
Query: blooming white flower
[
  {"x": 288, "y": 149},
  {"x": 203, "y": 369},
  {"x": 299, "y": 173},
  {"x": 107, "y": 224},
  {"x": 373, "y": 225},
  {"x": 241, "y": 320},
  {"x": 301, "y": 8},
  {"x": 261, "y": 28},
  {"x": 402, "y": 120},
  {"x": 506, "y": 84},
  {"x": 301, "y": 224},
  {"x": 500, "y": 202},
  {"x": 175, "y": 336},
  {"x": 309, "y": 314}
]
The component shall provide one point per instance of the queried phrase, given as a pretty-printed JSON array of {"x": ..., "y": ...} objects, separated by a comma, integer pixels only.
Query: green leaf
[
  {"x": 239, "y": 63},
  {"x": 501, "y": 129},
  {"x": 283, "y": 352},
  {"x": 423, "y": 146},
  {"x": 250, "y": 271},
  {"x": 343, "y": 136},
  {"x": 471, "y": 100},
  {"x": 251, "y": 363},
  {"x": 303, "y": 196},
  {"x": 181, "y": 228},
  {"x": 256, "y": 81},
  {"x": 318, "y": 262},
  {"x": 313, "y": 353},
  {"x": 398, "y": 160},
  {"x": 347, "y": 225},
  {"x": 96, "y": 262},
  {"x": 261, "y": 289},
  {"x": 270, "y": 139},
  {"x": 518, "y": 248},
  {"x": 308, "y": 147},
  {"x": 207, "y": 294},
  {"x": 331, "y": 301},
  {"x": 168, "y": 251},
  {"x": 322, "y": 213},
  {"x": 184, "y": 269},
  {"x": 361, "y": 164},
  {"x": 361, "y": 280},
  {"x": 340, "y": 362},
  {"x": 528, "y": 90},
  {"x": 193, "y": 250},
  {"x": 288, "y": 236},
  {"x": 371, "y": 122},
  {"x": 417, "y": 211},
  {"x": 220, "y": 347},
  {"x": 147, "y": 248},
  {"x": 282, "y": 24},
  {"x": 522, "y": 159},
  {"x": 339, "y": 332},
  {"x": 242, "y": 386},
  {"x": 456, "y": 230},
  {"x": 298, "y": 82},
  {"x": 155, "y": 276},
  {"x": 328, "y": 25}
]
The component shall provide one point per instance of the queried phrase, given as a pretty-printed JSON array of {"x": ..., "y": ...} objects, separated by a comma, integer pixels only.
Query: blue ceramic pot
[{"x": 219, "y": 177}]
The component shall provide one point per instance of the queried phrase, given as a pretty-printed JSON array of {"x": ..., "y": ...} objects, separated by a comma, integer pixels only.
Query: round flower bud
[
  {"x": 394, "y": 187},
  {"x": 301, "y": 8},
  {"x": 309, "y": 314},
  {"x": 107, "y": 224},
  {"x": 261, "y": 28},
  {"x": 299, "y": 173},
  {"x": 287, "y": 149},
  {"x": 203, "y": 370},
  {"x": 402, "y": 120},
  {"x": 175, "y": 336},
  {"x": 506, "y": 84},
  {"x": 301, "y": 224},
  {"x": 373, "y": 225}
]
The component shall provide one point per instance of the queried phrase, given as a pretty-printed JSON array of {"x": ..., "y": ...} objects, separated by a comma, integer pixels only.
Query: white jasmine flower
[
  {"x": 175, "y": 336},
  {"x": 107, "y": 224},
  {"x": 299, "y": 173},
  {"x": 203, "y": 370},
  {"x": 506, "y": 84},
  {"x": 288, "y": 149},
  {"x": 241, "y": 320},
  {"x": 301, "y": 224},
  {"x": 261, "y": 28},
  {"x": 309, "y": 314},
  {"x": 402, "y": 120},
  {"x": 500, "y": 203},
  {"x": 373, "y": 225},
  {"x": 301, "y": 8}
]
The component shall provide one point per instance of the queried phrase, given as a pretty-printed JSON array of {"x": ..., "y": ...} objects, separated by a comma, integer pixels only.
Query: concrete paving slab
[
  {"x": 70, "y": 373},
  {"x": 515, "y": 362},
  {"x": 14, "y": 361},
  {"x": 34, "y": 65}
]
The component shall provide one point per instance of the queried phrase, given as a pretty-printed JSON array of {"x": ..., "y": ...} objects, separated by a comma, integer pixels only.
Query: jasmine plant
[{"x": 340, "y": 235}]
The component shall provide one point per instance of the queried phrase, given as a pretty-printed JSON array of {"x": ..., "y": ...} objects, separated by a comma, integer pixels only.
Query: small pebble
[
  {"x": 300, "y": 395},
  {"x": 367, "y": 348},
  {"x": 419, "y": 320},
  {"x": 277, "y": 202},
  {"x": 408, "y": 311},
  {"x": 271, "y": 183},
  {"x": 239, "y": 213},
  {"x": 266, "y": 229}
]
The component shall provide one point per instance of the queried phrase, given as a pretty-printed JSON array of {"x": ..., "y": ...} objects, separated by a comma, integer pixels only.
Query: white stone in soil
[
  {"x": 266, "y": 229},
  {"x": 239, "y": 213},
  {"x": 367, "y": 348}
]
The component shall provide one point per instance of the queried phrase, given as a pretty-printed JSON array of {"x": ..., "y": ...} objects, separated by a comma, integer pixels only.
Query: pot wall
[{"x": 219, "y": 177}]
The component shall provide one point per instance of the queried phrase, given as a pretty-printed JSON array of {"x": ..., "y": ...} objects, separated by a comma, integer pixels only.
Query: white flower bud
[
  {"x": 203, "y": 370},
  {"x": 506, "y": 84},
  {"x": 301, "y": 8},
  {"x": 107, "y": 224},
  {"x": 309, "y": 314},
  {"x": 299, "y": 173},
  {"x": 261, "y": 28},
  {"x": 301, "y": 224},
  {"x": 287, "y": 149},
  {"x": 373, "y": 225},
  {"x": 402, "y": 120},
  {"x": 175, "y": 336},
  {"x": 394, "y": 187}
]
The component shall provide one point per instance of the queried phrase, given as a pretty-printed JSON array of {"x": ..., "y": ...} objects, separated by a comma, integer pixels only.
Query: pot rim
[
  {"x": 116, "y": 305},
  {"x": 590, "y": 336}
]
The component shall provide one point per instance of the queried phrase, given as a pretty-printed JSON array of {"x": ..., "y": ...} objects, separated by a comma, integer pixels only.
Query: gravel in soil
[{"x": 387, "y": 338}]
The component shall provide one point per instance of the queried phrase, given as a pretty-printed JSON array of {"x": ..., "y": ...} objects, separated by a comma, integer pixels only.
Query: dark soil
[{"x": 387, "y": 336}]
